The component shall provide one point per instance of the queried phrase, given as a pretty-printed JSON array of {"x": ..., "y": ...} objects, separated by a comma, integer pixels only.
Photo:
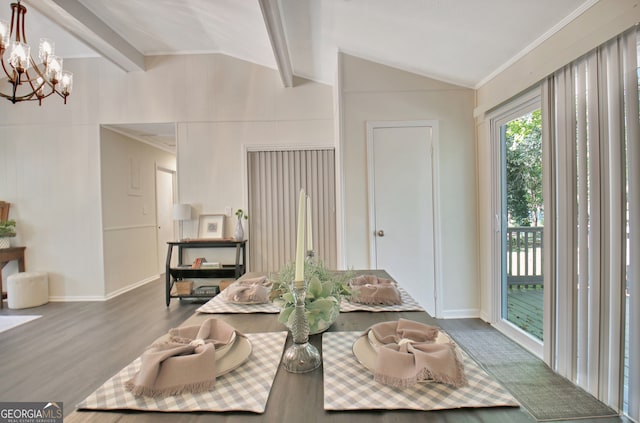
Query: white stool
[{"x": 27, "y": 289}]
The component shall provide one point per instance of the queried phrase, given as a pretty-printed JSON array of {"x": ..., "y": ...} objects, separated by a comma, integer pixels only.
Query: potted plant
[
  {"x": 7, "y": 230},
  {"x": 324, "y": 292},
  {"x": 239, "y": 233}
]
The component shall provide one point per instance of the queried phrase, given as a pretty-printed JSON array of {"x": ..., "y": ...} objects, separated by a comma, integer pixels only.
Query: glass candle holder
[{"x": 301, "y": 356}]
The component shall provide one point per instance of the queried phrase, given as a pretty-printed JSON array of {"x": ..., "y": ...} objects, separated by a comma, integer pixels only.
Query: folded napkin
[
  {"x": 186, "y": 363},
  {"x": 249, "y": 291},
  {"x": 370, "y": 289},
  {"x": 409, "y": 355}
]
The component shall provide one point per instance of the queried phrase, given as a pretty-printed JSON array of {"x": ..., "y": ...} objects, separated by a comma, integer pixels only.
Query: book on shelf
[
  {"x": 197, "y": 263},
  {"x": 206, "y": 290}
]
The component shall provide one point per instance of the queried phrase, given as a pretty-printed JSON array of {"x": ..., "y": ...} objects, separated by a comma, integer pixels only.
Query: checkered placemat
[
  {"x": 408, "y": 304},
  {"x": 349, "y": 386},
  {"x": 219, "y": 305},
  {"x": 244, "y": 389}
]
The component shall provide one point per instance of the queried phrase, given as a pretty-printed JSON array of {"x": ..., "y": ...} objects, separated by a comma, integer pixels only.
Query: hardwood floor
[{"x": 75, "y": 347}]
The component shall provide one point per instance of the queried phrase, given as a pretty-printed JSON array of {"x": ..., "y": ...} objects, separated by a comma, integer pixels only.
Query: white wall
[
  {"x": 373, "y": 92},
  {"x": 50, "y": 155},
  {"x": 51, "y": 175},
  {"x": 129, "y": 209}
]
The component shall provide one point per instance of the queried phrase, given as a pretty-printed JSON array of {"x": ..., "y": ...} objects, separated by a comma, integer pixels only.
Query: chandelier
[{"x": 29, "y": 80}]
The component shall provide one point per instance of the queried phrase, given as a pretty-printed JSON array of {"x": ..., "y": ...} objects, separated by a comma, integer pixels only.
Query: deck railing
[{"x": 524, "y": 256}]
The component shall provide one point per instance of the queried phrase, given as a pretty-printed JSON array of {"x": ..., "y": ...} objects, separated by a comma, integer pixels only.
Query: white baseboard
[
  {"x": 471, "y": 313},
  {"x": 108, "y": 296},
  {"x": 131, "y": 287},
  {"x": 74, "y": 299}
]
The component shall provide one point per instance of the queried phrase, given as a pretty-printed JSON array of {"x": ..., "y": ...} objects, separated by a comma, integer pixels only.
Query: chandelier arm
[
  {"x": 45, "y": 81},
  {"x": 42, "y": 97},
  {"x": 26, "y": 97},
  {"x": 30, "y": 81},
  {"x": 13, "y": 15},
  {"x": 38, "y": 72},
  {"x": 20, "y": 36}
]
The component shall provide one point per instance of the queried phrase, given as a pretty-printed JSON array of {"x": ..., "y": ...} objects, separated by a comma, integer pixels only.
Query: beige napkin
[
  {"x": 409, "y": 355},
  {"x": 249, "y": 291},
  {"x": 187, "y": 363},
  {"x": 370, "y": 289}
]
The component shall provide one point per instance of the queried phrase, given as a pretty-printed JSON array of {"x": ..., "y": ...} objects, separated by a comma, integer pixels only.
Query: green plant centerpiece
[
  {"x": 8, "y": 228},
  {"x": 325, "y": 289}
]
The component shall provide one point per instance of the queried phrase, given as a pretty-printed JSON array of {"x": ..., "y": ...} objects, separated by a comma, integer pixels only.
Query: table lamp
[{"x": 181, "y": 212}]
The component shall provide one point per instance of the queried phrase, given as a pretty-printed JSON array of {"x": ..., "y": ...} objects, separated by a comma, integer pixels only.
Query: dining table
[{"x": 299, "y": 397}]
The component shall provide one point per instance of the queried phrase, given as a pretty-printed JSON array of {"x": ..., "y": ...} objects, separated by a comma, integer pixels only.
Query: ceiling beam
[
  {"x": 275, "y": 29},
  {"x": 75, "y": 18}
]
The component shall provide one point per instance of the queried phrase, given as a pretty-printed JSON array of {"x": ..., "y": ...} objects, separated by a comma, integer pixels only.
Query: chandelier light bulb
[
  {"x": 47, "y": 48},
  {"x": 19, "y": 57},
  {"x": 40, "y": 87},
  {"x": 4, "y": 34},
  {"x": 54, "y": 69},
  {"x": 66, "y": 82}
]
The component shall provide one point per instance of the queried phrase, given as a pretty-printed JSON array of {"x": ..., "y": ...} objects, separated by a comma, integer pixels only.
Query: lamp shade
[{"x": 181, "y": 212}]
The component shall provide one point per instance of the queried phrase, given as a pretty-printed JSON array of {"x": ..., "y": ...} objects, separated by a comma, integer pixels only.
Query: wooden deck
[{"x": 525, "y": 309}]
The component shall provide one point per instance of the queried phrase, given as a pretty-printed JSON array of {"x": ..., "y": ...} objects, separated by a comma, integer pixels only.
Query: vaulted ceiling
[
  {"x": 459, "y": 41},
  {"x": 464, "y": 42}
]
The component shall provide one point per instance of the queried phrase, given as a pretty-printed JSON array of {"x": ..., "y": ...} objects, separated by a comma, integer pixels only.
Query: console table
[
  {"x": 7, "y": 255},
  {"x": 174, "y": 274}
]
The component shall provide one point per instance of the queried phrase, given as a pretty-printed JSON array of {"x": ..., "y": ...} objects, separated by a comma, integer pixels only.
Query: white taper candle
[
  {"x": 309, "y": 226},
  {"x": 299, "y": 277}
]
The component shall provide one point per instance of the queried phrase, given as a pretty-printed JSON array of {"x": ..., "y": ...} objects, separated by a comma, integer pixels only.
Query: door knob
[{"x": 380, "y": 232}]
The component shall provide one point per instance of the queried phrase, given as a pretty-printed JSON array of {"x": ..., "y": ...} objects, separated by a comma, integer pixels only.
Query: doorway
[
  {"x": 165, "y": 197},
  {"x": 402, "y": 205}
]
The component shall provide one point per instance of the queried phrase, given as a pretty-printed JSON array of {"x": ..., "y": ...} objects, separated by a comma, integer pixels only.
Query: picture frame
[{"x": 211, "y": 226}]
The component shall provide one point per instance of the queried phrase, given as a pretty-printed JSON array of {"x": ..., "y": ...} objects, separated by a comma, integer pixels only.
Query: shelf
[
  {"x": 198, "y": 292},
  {"x": 226, "y": 271},
  {"x": 185, "y": 271}
]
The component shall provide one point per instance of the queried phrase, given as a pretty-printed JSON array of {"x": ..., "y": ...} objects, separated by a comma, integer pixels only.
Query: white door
[
  {"x": 164, "y": 213},
  {"x": 402, "y": 206}
]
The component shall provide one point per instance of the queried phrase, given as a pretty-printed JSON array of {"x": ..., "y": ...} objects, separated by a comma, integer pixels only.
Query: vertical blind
[
  {"x": 275, "y": 179},
  {"x": 594, "y": 157}
]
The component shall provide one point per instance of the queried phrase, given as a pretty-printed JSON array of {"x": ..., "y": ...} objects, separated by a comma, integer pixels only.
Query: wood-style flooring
[{"x": 75, "y": 347}]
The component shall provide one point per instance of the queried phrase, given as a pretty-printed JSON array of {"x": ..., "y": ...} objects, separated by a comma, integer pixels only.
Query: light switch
[{"x": 228, "y": 211}]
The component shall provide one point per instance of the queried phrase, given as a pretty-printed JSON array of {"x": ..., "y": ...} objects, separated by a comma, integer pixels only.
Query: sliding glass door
[
  {"x": 518, "y": 286},
  {"x": 522, "y": 223}
]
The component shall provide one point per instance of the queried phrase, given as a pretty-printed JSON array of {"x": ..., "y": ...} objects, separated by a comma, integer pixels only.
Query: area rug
[
  {"x": 545, "y": 394},
  {"x": 10, "y": 322},
  {"x": 350, "y": 386},
  {"x": 244, "y": 389}
]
